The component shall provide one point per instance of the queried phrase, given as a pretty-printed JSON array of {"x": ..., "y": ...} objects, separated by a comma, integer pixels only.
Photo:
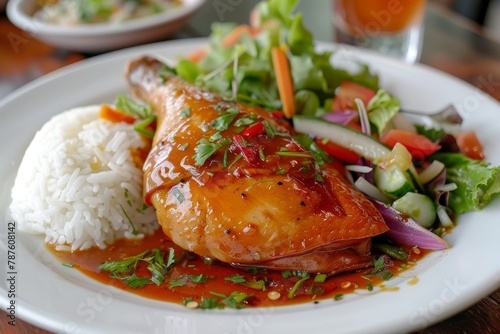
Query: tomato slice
[
  {"x": 347, "y": 92},
  {"x": 419, "y": 146},
  {"x": 470, "y": 146},
  {"x": 337, "y": 151}
]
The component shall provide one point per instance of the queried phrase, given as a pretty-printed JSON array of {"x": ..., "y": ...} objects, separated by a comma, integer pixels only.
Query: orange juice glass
[{"x": 393, "y": 27}]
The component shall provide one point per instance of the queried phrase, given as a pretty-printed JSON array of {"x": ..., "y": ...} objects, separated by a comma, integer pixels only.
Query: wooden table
[{"x": 451, "y": 44}]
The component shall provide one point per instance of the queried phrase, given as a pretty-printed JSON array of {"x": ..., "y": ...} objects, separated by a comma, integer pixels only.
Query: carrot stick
[
  {"x": 114, "y": 115},
  {"x": 284, "y": 80},
  {"x": 197, "y": 55},
  {"x": 232, "y": 38}
]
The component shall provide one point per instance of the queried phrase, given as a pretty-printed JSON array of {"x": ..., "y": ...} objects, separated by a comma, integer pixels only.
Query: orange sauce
[
  {"x": 88, "y": 262},
  {"x": 389, "y": 16}
]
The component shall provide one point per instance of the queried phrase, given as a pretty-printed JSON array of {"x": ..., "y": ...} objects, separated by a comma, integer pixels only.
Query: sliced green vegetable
[
  {"x": 392, "y": 181},
  {"x": 418, "y": 206},
  {"x": 366, "y": 146}
]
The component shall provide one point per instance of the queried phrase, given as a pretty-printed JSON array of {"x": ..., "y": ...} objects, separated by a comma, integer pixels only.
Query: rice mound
[{"x": 78, "y": 183}]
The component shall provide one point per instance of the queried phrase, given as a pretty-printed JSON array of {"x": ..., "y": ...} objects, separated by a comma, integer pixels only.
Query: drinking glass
[{"x": 392, "y": 27}]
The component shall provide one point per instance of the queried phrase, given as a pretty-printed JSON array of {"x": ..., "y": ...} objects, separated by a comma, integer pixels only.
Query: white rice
[{"x": 77, "y": 178}]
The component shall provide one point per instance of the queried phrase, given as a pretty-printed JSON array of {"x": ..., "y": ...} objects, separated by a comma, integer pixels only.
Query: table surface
[{"x": 451, "y": 44}]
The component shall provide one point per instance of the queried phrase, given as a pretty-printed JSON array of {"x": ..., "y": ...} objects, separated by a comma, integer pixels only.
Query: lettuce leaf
[
  {"x": 477, "y": 181},
  {"x": 245, "y": 71},
  {"x": 381, "y": 109}
]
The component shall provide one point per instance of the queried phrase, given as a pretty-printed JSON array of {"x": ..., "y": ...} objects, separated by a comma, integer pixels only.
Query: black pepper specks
[
  {"x": 227, "y": 231},
  {"x": 302, "y": 203},
  {"x": 280, "y": 183},
  {"x": 243, "y": 195}
]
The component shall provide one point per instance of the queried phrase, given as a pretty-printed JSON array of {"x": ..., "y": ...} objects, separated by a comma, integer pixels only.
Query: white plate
[
  {"x": 63, "y": 300},
  {"x": 103, "y": 36}
]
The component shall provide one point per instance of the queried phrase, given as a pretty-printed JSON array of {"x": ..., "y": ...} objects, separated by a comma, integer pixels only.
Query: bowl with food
[{"x": 90, "y": 26}]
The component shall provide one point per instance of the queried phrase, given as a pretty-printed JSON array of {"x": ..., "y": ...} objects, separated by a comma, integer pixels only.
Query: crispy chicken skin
[{"x": 259, "y": 199}]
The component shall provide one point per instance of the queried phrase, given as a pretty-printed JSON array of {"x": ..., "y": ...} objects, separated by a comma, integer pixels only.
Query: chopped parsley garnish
[
  {"x": 225, "y": 118},
  {"x": 134, "y": 230},
  {"x": 215, "y": 137},
  {"x": 392, "y": 251},
  {"x": 123, "y": 266},
  {"x": 177, "y": 283},
  {"x": 380, "y": 270},
  {"x": 178, "y": 195},
  {"x": 67, "y": 264},
  {"x": 320, "y": 278},
  {"x": 236, "y": 278},
  {"x": 209, "y": 303},
  {"x": 271, "y": 129},
  {"x": 262, "y": 156},
  {"x": 205, "y": 150},
  {"x": 369, "y": 286},
  {"x": 319, "y": 154},
  {"x": 235, "y": 300},
  {"x": 292, "y": 292},
  {"x": 198, "y": 278},
  {"x": 185, "y": 112},
  {"x": 246, "y": 120},
  {"x": 338, "y": 296},
  {"x": 253, "y": 283},
  {"x": 156, "y": 265},
  {"x": 303, "y": 154},
  {"x": 142, "y": 126},
  {"x": 132, "y": 107},
  {"x": 281, "y": 171},
  {"x": 136, "y": 282}
]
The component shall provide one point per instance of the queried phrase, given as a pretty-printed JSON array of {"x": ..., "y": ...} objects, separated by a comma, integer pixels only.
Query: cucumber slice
[
  {"x": 392, "y": 181},
  {"x": 418, "y": 206},
  {"x": 366, "y": 146}
]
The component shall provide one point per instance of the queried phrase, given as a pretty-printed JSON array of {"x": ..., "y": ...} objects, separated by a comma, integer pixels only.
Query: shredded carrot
[
  {"x": 197, "y": 55},
  {"x": 232, "y": 38},
  {"x": 116, "y": 116},
  {"x": 284, "y": 80}
]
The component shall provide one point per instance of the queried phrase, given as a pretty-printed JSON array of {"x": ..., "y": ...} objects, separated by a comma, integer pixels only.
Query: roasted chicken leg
[{"x": 230, "y": 182}]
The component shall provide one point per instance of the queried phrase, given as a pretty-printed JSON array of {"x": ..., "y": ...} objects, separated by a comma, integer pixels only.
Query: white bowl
[{"x": 102, "y": 36}]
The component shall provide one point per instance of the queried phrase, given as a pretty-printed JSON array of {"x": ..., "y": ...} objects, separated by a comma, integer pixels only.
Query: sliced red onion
[
  {"x": 363, "y": 117},
  {"x": 341, "y": 117},
  {"x": 405, "y": 230},
  {"x": 440, "y": 197}
]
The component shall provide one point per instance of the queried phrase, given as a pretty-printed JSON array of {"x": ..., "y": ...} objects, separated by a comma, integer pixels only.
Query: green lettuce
[
  {"x": 477, "y": 182},
  {"x": 245, "y": 71},
  {"x": 381, "y": 109}
]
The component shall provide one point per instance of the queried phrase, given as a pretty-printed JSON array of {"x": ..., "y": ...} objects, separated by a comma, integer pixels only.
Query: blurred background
[
  {"x": 462, "y": 37},
  {"x": 483, "y": 14}
]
